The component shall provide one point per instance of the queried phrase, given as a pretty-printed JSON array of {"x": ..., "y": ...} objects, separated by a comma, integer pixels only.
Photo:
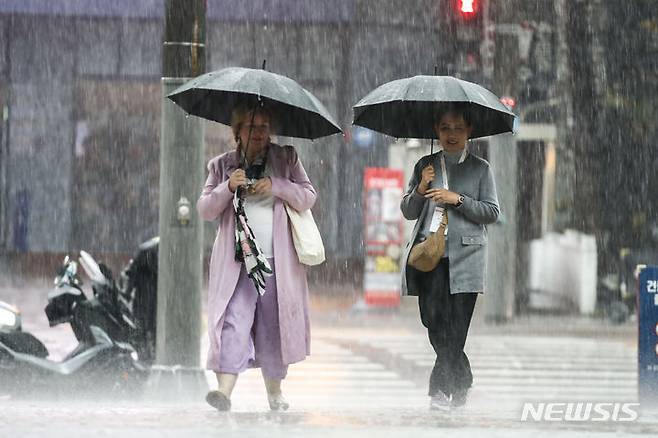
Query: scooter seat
[
  {"x": 66, "y": 367},
  {"x": 71, "y": 365},
  {"x": 23, "y": 342}
]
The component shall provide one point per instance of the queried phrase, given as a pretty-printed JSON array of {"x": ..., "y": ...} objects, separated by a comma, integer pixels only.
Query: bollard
[{"x": 647, "y": 350}]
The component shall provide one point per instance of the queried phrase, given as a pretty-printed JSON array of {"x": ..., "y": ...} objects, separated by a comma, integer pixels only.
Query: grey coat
[{"x": 467, "y": 231}]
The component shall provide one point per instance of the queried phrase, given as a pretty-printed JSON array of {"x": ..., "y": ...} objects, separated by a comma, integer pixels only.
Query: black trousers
[{"x": 447, "y": 318}]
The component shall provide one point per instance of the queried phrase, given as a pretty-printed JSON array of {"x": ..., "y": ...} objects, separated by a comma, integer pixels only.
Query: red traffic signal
[
  {"x": 508, "y": 101},
  {"x": 467, "y": 8}
]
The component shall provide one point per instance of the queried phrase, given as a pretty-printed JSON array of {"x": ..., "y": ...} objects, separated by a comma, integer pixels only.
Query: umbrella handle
[
  {"x": 253, "y": 115},
  {"x": 246, "y": 148},
  {"x": 251, "y": 128},
  {"x": 436, "y": 72}
]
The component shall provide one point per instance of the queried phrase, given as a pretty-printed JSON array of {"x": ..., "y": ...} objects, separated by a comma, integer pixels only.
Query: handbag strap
[{"x": 444, "y": 172}]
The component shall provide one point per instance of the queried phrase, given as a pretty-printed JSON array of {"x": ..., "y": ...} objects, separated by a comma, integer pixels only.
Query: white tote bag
[{"x": 306, "y": 236}]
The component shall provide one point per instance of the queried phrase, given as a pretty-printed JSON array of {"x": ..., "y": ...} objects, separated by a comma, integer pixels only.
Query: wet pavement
[
  {"x": 132, "y": 419},
  {"x": 367, "y": 375}
]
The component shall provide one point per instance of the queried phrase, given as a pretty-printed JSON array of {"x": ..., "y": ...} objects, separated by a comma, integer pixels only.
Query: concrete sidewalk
[{"x": 367, "y": 375}]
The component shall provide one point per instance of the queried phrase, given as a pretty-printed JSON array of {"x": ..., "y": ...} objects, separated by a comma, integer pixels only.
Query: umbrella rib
[{"x": 464, "y": 92}]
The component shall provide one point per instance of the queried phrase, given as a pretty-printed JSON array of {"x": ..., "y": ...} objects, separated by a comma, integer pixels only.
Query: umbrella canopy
[
  {"x": 406, "y": 108},
  {"x": 213, "y": 96}
]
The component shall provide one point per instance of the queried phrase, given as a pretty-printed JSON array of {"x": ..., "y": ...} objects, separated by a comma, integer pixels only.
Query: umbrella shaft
[{"x": 246, "y": 148}]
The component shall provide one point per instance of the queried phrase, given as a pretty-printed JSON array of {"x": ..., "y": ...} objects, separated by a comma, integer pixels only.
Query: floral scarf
[{"x": 247, "y": 249}]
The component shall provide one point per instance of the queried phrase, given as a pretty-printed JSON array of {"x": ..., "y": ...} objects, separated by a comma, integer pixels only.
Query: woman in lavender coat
[{"x": 246, "y": 329}]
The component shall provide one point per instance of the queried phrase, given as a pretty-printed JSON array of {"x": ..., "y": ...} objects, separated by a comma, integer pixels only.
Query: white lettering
[
  {"x": 380, "y": 183},
  {"x": 529, "y": 409},
  {"x": 599, "y": 408},
  {"x": 629, "y": 408},
  {"x": 554, "y": 411},
  {"x": 652, "y": 286},
  {"x": 582, "y": 412}
]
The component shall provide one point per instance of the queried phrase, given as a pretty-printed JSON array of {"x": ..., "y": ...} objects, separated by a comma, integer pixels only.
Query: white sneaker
[{"x": 440, "y": 402}]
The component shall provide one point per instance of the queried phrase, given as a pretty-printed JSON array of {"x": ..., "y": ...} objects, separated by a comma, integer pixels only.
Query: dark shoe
[
  {"x": 218, "y": 401},
  {"x": 459, "y": 398},
  {"x": 278, "y": 403}
]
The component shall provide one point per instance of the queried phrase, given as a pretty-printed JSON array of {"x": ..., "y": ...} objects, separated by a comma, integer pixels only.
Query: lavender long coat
[{"x": 290, "y": 184}]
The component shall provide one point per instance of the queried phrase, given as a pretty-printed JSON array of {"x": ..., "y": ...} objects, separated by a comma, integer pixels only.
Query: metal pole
[
  {"x": 502, "y": 258},
  {"x": 4, "y": 176},
  {"x": 4, "y": 146},
  {"x": 181, "y": 177},
  {"x": 565, "y": 157}
]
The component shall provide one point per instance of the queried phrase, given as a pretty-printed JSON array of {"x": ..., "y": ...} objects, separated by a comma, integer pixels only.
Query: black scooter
[
  {"x": 115, "y": 330},
  {"x": 98, "y": 366},
  {"x": 125, "y": 310},
  {"x": 139, "y": 288}
]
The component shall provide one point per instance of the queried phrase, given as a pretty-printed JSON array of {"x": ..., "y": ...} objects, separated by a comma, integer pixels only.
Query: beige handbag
[
  {"x": 306, "y": 236},
  {"x": 425, "y": 255}
]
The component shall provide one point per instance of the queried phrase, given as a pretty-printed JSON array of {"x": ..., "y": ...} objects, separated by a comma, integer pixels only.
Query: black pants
[{"x": 447, "y": 318}]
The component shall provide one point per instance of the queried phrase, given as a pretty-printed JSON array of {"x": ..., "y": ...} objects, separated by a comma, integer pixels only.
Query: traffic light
[
  {"x": 466, "y": 24},
  {"x": 467, "y": 8},
  {"x": 467, "y": 19}
]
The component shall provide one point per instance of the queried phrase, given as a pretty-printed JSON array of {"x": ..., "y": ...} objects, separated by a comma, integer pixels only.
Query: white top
[{"x": 260, "y": 215}]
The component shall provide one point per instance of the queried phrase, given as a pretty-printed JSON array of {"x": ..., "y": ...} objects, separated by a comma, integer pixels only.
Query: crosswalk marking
[
  {"x": 533, "y": 357},
  {"x": 576, "y": 373},
  {"x": 514, "y": 369},
  {"x": 331, "y": 378},
  {"x": 339, "y": 375}
]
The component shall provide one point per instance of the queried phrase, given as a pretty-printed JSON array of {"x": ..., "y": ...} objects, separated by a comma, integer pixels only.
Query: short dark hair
[{"x": 455, "y": 108}]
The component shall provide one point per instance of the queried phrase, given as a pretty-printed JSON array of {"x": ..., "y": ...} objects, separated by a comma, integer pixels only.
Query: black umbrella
[
  {"x": 406, "y": 108},
  {"x": 297, "y": 113},
  {"x": 214, "y": 95}
]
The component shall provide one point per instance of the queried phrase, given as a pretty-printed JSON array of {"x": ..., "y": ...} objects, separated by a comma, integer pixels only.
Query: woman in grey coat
[{"x": 447, "y": 294}]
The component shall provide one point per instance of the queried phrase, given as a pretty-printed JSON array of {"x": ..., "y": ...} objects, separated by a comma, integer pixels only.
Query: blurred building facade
[
  {"x": 80, "y": 90},
  {"x": 79, "y": 84}
]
